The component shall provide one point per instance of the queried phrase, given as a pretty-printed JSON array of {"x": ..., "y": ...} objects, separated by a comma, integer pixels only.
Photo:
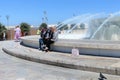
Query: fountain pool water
[
  {"x": 71, "y": 36},
  {"x": 96, "y": 26}
]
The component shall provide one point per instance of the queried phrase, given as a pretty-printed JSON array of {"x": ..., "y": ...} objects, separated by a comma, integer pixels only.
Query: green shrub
[
  {"x": 2, "y": 30},
  {"x": 43, "y": 25},
  {"x": 25, "y": 28}
]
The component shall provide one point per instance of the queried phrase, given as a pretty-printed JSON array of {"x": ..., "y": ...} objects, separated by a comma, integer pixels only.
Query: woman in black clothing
[
  {"x": 48, "y": 37},
  {"x": 52, "y": 37}
]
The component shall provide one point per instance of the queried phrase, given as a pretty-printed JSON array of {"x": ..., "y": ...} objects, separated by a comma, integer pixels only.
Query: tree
[
  {"x": 25, "y": 28},
  {"x": 2, "y": 30},
  {"x": 43, "y": 25}
]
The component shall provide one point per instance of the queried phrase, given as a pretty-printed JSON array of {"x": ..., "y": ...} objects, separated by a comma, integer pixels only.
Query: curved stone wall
[{"x": 91, "y": 47}]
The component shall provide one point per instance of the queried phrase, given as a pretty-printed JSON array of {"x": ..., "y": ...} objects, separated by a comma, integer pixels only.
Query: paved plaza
[{"x": 14, "y": 68}]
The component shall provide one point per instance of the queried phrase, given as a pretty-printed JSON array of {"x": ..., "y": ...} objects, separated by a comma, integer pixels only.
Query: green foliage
[
  {"x": 43, "y": 25},
  {"x": 25, "y": 27},
  {"x": 2, "y": 29}
]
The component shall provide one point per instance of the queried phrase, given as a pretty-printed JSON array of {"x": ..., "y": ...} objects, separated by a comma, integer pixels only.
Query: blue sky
[{"x": 31, "y": 11}]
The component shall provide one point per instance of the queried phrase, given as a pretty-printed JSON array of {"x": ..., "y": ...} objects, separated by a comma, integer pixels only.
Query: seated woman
[{"x": 53, "y": 36}]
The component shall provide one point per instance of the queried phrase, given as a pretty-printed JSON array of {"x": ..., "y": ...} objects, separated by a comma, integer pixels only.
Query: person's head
[
  {"x": 17, "y": 26},
  {"x": 51, "y": 28},
  {"x": 55, "y": 29}
]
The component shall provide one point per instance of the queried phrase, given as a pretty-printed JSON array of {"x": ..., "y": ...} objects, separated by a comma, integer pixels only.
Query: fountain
[
  {"x": 96, "y": 34},
  {"x": 111, "y": 28},
  {"x": 72, "y": 20},
  {"x": 91, "y": 27}
]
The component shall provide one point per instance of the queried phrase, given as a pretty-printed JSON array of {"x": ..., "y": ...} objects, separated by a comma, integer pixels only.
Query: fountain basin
[{"x": 87, "y": 47}]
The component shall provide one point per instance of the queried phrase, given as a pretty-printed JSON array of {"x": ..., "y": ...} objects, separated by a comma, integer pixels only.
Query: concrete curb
[
  {"x": 92, "y": 47},
  {"x": 68, "y": 63}
]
